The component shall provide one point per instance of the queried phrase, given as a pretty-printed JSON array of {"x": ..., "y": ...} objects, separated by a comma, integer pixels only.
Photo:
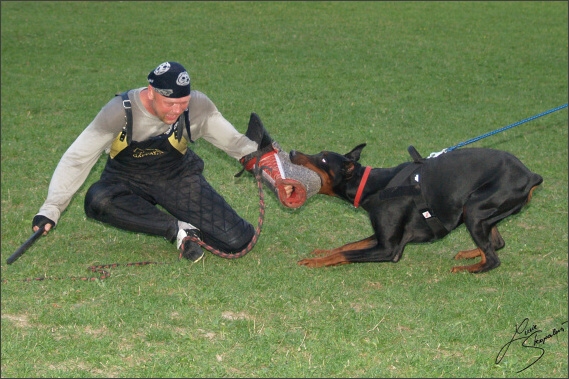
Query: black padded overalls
[{"x": 163, "y": 171}]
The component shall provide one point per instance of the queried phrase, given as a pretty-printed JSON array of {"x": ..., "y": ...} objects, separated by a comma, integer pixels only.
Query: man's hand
[
  {"x": 40, "y": 220},
  {"x": 47, "y": 228}
]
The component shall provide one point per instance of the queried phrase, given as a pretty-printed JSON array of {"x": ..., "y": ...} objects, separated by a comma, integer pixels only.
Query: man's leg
[
  {"x": 192, "y": 199},
  {"x": 116, "y": 204},
  {"x": 188, "y": 198}
]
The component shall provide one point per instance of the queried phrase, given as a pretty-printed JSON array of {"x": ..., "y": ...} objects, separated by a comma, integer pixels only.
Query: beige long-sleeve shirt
[{"x": 75, "y": 165}]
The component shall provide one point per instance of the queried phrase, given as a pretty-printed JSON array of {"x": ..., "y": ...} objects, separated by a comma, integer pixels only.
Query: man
[{"x": 145, "y": 131}]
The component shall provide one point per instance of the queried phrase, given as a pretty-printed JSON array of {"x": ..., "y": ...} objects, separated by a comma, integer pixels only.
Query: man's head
[{"x": 169, "y": 91}]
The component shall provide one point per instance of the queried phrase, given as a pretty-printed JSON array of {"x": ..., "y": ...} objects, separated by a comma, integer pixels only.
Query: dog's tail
[{"x": 536, "y": 179}]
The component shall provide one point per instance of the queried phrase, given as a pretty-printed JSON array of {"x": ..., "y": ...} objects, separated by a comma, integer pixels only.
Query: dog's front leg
[
  {"x": 334, "y": 256},
  {"x": 359, "y": 245}
]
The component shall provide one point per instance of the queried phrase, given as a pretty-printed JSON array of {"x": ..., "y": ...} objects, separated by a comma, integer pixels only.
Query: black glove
[{"x": 40, "y": 221}]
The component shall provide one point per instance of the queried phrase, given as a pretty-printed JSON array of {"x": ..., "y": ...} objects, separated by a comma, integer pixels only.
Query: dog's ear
[
  {"x": 354, "y": 155},
  {"x": 348, "y": 170}
]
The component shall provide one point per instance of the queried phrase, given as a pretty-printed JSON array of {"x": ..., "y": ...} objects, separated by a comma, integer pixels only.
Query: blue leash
[{"x": 433, "y": 155}]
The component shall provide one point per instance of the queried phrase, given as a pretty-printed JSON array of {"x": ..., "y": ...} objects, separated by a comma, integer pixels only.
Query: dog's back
[{"x": 450, "y": 179}]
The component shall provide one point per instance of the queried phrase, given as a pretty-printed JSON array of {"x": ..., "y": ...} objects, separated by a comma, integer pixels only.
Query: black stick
[{"x": 26, "y": 245}]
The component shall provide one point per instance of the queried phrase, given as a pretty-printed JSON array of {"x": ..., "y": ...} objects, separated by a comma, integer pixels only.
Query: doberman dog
[{"x": 424, "y": 200}]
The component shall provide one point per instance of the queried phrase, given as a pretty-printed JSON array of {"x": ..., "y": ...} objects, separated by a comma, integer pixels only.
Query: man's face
[{"x": 168, "y": 109}]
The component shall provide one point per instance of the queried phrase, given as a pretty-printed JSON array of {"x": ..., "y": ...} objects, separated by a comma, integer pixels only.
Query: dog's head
[{"x": 334, "y": 169}]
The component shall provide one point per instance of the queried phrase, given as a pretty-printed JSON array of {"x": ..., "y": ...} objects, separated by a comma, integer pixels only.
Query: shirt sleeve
[
  {"x": 206, "y": 121},
  {"x": 77, "y": 162}
]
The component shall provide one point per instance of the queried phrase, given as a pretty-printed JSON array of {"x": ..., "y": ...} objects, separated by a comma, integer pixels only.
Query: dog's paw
[
  {"x": 456, "y": 269},
  {"x": 304, "y": 262},
  {"x": 468, "y": 254},
  {"x": 330, "y": 260},
  {"x": 320, "y": 252},
  {"x": 309, "y": 262}
]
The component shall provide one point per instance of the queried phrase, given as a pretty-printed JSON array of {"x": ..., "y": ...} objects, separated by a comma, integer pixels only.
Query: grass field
[{"x": 321, "y": 75}]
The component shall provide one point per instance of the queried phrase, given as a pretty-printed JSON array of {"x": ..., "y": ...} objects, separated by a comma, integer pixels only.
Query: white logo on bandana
[
  {"x": 164, "y": 92},
  {"x": 183, "y": 79},
  {"x": 164, "y": 67}
]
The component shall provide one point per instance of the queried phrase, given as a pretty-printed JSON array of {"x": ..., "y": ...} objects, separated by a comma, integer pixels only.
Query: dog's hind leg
[
  {"x": 481, "y": 213},
  {"x": 484, "y": 264},
  {"x": 497, "y": 244},
  {"x": 488, "y": 261}
]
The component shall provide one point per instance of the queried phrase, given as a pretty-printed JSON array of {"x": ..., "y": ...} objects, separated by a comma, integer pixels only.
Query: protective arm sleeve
[{"x": 278, "y": 171}]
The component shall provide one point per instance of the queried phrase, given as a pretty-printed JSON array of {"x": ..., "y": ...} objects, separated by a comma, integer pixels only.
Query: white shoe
[{"x": 189, "y": 249}]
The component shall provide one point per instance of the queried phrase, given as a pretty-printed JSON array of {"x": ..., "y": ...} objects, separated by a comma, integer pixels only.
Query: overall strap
[
  {"x": 127, "y": 129},
  {"x": 184, "y": 123}
]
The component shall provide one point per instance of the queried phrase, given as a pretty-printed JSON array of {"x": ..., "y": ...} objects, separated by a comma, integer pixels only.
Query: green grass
[{"x": 322, "y": 75}]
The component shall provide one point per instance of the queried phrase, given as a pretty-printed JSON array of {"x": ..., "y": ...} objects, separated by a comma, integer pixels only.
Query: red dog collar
[{"x": 361, "y": 187}]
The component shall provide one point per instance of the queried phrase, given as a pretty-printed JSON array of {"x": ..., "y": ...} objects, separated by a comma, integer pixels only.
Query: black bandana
[{"x": 170, "y": 79}]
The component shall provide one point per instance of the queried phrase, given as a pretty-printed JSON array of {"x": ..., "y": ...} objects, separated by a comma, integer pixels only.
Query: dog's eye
[{"x": 323, "y": 160}]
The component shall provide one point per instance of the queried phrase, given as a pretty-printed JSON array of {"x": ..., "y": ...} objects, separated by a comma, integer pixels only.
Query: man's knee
[
  {"x": 236, "y": 242},
  {"x": 97, "y": 201}
]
